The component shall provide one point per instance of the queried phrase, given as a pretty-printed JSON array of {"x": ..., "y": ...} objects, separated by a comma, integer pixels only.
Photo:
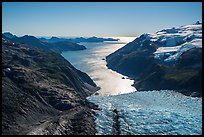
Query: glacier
[
  {"x": 176, "y": 41},
  {"x": 164, "y": 112}
]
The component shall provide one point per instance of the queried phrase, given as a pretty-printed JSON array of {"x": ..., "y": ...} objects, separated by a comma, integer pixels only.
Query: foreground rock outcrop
[
  {"x": 42, "y": 93},
  {"x": 169, "y": 59}
]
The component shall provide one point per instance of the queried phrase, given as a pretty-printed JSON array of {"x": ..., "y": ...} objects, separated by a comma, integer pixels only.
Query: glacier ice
[{"x": 162, "y": 112}]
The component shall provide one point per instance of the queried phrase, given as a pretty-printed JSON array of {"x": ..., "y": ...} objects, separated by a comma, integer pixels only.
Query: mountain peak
[
  {"x": 30, "y": 37},
  {"x": 54, "y": 37},
  {"x": 9, "y": 35},
  {"x": 197, "y": 23}
]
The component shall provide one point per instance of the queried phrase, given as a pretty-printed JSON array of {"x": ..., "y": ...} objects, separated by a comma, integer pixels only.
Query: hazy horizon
[
  {"x": 100, "y": 19},
  {"x": 48, "y": 37}
]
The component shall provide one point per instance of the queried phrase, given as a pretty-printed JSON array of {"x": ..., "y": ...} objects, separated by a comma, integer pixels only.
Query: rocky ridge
[{"x": 42, "y": 93}]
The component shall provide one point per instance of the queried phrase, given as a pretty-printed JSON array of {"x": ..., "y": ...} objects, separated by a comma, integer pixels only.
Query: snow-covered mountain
[
  {"x": 171, "y": 43},
  {"x": 175, "y": 41},
  {"x": 168, "y": 59}
]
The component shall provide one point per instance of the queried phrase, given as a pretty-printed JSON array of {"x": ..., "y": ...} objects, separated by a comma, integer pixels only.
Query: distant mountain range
[
  {"x": 58, "y": 46},
  {"x": 77, "y": 40},
  {"x": 54, "y": 43},
  {"x": 168, "y": 59}
]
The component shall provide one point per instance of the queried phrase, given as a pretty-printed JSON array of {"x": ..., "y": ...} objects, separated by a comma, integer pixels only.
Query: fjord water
[
  {"x": 144, "y": 112},
  {"x": 92, "y": 61}
]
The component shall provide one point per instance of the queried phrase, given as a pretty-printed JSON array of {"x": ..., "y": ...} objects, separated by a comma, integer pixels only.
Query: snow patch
[{"x": 175, "y": 41}]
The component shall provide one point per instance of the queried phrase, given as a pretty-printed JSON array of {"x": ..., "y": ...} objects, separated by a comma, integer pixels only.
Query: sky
[{"x": 102, "y": 19}]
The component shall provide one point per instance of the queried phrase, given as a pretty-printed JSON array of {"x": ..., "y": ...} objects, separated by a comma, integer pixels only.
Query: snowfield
[
  {"x": 162, "y": 112},
  {"x": 175, "y": 36},
  {"x": 175, "y": 41}
]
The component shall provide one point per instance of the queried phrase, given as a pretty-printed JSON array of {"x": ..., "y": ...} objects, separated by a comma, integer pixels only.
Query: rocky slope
[
  {"x": 169, "y": 59},
  {"x": 42, "y": 93}
]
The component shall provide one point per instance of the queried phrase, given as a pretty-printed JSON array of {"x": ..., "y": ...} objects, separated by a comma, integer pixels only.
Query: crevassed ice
[{"x": 150, "y": 113}]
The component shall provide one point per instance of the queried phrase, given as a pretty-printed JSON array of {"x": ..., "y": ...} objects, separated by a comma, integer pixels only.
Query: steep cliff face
[
  {"x": 168, "y": 59},
  {"x": 42, "y": 93}
]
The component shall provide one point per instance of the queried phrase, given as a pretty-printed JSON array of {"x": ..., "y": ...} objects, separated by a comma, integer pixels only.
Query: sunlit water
[
  {"x": 140, "y": 113},
  {"x": 91, "y": 61},
  {"x": 149, "y": 113}
]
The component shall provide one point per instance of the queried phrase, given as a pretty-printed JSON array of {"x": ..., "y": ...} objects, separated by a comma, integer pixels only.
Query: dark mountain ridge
[{"x": 42, "y": 93}]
